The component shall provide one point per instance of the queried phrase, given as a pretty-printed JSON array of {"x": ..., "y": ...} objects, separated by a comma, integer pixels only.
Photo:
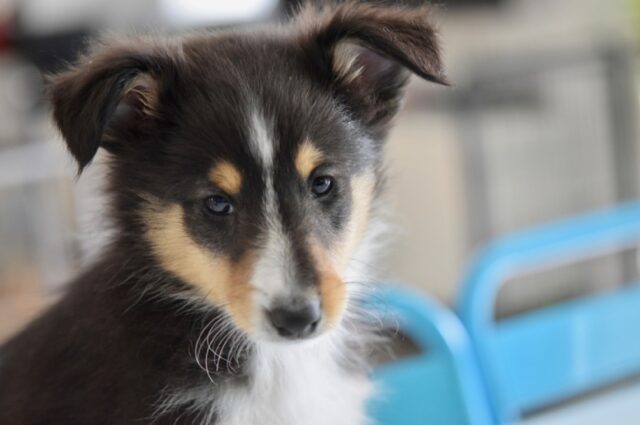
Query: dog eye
[
  {"x": 218, "y": 205},
  {"x": 322, "y": 185}
]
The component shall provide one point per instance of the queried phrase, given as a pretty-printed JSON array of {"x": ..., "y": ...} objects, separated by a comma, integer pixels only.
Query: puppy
[{"x": 245, "y": 174}]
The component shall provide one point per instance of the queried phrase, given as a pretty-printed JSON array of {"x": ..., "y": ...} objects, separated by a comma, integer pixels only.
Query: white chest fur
[{"x": 296, "y": 386}]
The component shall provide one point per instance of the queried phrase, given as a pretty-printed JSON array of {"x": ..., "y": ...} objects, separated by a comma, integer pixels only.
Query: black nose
[{"x": 297, "y": 321}]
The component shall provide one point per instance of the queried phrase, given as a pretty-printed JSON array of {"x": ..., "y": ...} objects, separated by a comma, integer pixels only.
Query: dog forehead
[
  {"x": 261, "y": 141},
  {"x": 259, "y": 121}
]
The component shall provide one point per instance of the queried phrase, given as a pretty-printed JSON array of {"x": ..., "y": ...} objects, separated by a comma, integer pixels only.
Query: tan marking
[
  {"x": 240, "y": 293},
  {"x": 222, "y": 282},
  {"x": 307, "y": 158},
  {"x": 227, "y": 177},
  {"x": 362, "y": 188},
  {"x": 333, "y": 290}
]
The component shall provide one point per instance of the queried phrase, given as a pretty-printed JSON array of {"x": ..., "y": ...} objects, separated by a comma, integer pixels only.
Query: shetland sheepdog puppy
[{"x": 245, "y": 173}]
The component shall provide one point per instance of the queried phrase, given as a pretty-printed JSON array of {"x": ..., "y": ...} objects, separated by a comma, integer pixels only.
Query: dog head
[{"x": 246, "y": 163}]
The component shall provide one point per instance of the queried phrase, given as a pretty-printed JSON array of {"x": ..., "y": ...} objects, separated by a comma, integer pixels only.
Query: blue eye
[
  {"x": 322, "y": 185},
  {"x": 218, "y": 205}
]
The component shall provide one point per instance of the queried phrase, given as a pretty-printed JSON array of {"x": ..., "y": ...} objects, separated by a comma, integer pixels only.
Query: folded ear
[
  {"x": 111, "y": 93},
  {"x": 367, "y": 51}
]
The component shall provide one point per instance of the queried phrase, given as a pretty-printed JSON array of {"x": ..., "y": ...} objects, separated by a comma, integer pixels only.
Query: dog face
[{"x": 246, "y": 165}]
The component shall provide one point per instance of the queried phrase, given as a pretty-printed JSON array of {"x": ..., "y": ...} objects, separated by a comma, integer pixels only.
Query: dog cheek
[
  {"x": 222, "y": 282},
  {"x": 332, "y": 263},
  {"x": 362, "y": 189},
  {"x": 241, "y": 303}
]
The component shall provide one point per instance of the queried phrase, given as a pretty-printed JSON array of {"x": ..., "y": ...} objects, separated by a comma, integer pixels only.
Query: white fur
[
  {"x": 296, "y": 384},
  {"x": 272, "y": 273},
  {"x": 272, "y": 276},
  {"x": 261, "y": 142},
  {"x": 289, "y": 384}
]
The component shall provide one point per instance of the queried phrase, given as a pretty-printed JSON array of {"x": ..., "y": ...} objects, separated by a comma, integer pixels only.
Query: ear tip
[
  {"x": 434, "y": 75},
  {"x": 79, "y": 171},
  {"x": 83, "y": 153},
  {"x": 81, "y": 166},
  {"x": 441, "y": 79}
]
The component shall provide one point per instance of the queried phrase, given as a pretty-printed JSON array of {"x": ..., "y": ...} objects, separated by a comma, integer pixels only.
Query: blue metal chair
[
  {"x": 441, "y": 385},
  {"x": 549, "y": 355}
]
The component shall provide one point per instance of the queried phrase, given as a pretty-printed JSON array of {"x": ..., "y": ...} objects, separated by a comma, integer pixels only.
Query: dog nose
[{"x": 297, "y": 321}]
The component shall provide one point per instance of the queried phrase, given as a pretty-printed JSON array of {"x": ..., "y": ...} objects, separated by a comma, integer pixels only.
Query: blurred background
[{"x": 540, "y": 124}]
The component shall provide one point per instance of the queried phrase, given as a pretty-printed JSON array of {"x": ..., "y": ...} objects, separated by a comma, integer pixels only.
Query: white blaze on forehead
[
  {"x": 261, "y": 140},
  {"x": 272, "y": 275}
]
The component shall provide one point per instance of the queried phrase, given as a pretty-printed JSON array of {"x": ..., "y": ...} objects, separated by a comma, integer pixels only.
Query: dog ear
[
  {"x": 367, "y": 51},
  {"x": 113, "y": 92}
]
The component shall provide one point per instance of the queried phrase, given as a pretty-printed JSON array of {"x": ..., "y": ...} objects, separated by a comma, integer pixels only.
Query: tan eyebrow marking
[
  {"x": 307, "y": 158},
  {"x": 227, "y": 177}
]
